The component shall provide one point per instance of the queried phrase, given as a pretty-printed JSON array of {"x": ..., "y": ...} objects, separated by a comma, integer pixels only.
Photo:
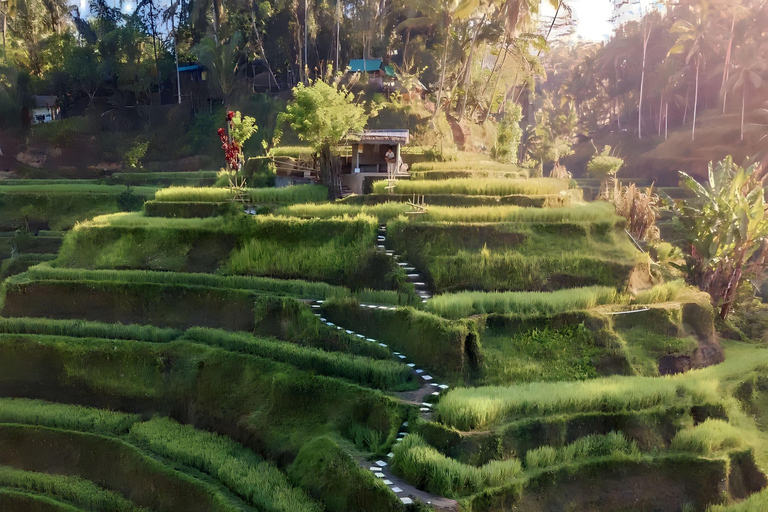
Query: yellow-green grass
[
  {"x": 383, "y": 212},
  {"x": 609, "y": 445},
  {"x": 464, "y": 165},
  {"x": 478, "y": 408},
  {"x": 709, "y": 437},
  {"x": 426, "y": 468},
  {"x": 52, "y": 189},
  {"x": 286, "y": 195},
  {"x": 293, "y": 151},
  {"x": 470, "y": 186},
  {"x": 68, "y": 489},
  {"x": 64, "y": 416},
  {"x": 464, "y": 304},
  {"x": 258, "y": 482},
  {"x": 591, "y": 212}
]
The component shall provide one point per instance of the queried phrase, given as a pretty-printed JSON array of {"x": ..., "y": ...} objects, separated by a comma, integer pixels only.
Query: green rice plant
[
  {"x": 757, "y": 502},
  {"x": 189, "y": 178},
  {"x": 284, "y": 195},
  {"x": 478, "y": 408},
  {"x": 383, "y": 212},
  {"x": 463, "y": 165},
  {"x": 426, "y": 468},
  {"x": 137, "y": 220},
  {"x": 381, "y": 374},
  {"x": 664, "y": 292},
  {"x": 612, "y": 444},
  {"x": 31, "y": 502},
  {"x": 81, "y": 329},
  {"x": 590, "y": 212},
  {"x": 289, "y": 195},
  {"x": 293, "y": 151},
  {"x": 70, "y": 489},
  {"x": 659, "y": 344},
  {"x": 258, "y": 482},
  {"x": 708, "y": 437},
  {"x": 464, "y": 304},
  {"x": 195, "y": 194},
  {"x": 67, "y": 417},
  {"x": 94, "y": 458},
  {"x": 471, "y": 186},
  {"x": 461, "y": 173},
  {"x": 71, "y": 189}
]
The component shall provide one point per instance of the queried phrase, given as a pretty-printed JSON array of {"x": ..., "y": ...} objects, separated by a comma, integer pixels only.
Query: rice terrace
[{"x": 384, "y": 256}]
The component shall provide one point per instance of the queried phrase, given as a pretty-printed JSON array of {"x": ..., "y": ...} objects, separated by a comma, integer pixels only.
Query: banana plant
[{"x": 725, "y": 228}]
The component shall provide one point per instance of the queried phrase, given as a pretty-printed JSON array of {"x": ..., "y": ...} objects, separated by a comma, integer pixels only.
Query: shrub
[
  {"x": 488, "y": 187},
  {"x": 326, "y": 470},
  {"x": 258, "y": 482}
]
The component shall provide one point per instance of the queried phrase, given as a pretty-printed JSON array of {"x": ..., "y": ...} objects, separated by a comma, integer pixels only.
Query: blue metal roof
[
  {"x": 356, "y": 65},
  {"x": 189, "y": 68}
]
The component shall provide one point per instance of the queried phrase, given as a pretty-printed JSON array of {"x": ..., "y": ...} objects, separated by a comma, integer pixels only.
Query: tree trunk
[
  {"x": 405, "y": 46},
  {"x": 685, "y": 112},
  {"x": 666, "y": 119},
  {"x": 5, "y": 29},
  {"x": 216, "y": 19},
  {"x": 743, "y": 102},
  {"x": 695, "y": 102},
  {"x": 726, "y": 71},
  {"x": 330, "y": 172},
  {"x": 661, "y": 108},
  {"x": 496, "y": 85},
  {"x": 468, "y": 70},
  {"x": 646, "y": 37},
  {"x": 442, "y": 70}
]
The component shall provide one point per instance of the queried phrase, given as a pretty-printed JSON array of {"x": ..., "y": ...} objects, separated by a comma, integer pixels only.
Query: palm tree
[
  {"x": 691, "y": 41},
  {"x": 746, "y": 78},
  {"x": 222, "y": 64},
  {"x": 7, "y": 9}
]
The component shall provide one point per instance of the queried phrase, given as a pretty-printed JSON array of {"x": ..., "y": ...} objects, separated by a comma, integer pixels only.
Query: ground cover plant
[{"x": 470, "y": 186}]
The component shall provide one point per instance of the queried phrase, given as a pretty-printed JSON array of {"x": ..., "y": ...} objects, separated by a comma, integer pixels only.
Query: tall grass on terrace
[
  {"x": 67, "y": 417},
  {"x": 471, "y": 186},
  {"x": 384, "y": 374},
  {"x": 591, "y": 212},
  {"x": 286, "y": 195},
  {"x": 463, "y": 165},
  {"x": 464, "y": 304},
  {"x": 283, "y": 286},
  {"x": 664, "y": 292},
  {"x": 82, "y": 329},
  {"x": 70, "y": 189},
  {"x": 82, "y": 493},
  {"x": 242, "y": 471},
  {"x": 611, "y": 444},
  {"x": 383, "y": 212},
  {"x": 477, "y": 408},
  {"x": 710, "y": 436},
  {"x": 426, "y": 468}
]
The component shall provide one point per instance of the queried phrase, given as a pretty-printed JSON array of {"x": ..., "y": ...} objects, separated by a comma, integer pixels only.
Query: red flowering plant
[{"x": 239, "y": 129}]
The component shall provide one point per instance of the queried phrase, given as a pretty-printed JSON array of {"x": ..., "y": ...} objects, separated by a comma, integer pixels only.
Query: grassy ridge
[
  {"x": 80, "y": 329},
  {"x": 258, "y": 482},
  {"x": 464, "y": 304},
  {"x": 67, "y": 417},
  {"x": 468, "y": 409},
  {"x": 72, "y": 490},
  {"x": 470, "y": 186},
  {"x": 91, "y": 457},
  {"x": 383, "y": 212},
  {"x": 285, "y": 195},
  {"x": 71, "y": 189},
  {"x": 428, "y": 469},
  {"x": 31, "y": 502},
  {"x": 592, "y": 212},
  {"x": 381, "y": 374}
]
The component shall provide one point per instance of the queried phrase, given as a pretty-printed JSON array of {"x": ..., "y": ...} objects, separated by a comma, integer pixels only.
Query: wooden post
[{"x": 397, "y": 158}]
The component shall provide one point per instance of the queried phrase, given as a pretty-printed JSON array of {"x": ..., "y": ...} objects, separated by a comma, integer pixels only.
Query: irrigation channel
[{"x": 430, "y": 390}]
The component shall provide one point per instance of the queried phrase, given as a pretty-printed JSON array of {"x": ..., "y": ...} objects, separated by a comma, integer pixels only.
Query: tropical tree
[
  {"x": 324, "y": 114},
  {"x": 725, "y": 229},
  {"x": 508, "y": 136},
  {"x": 222, "y": 62},
  {"x": 746, "y": 79},
  {"x": 604, "y": 166},
  {"x": 692, "y": 42}
]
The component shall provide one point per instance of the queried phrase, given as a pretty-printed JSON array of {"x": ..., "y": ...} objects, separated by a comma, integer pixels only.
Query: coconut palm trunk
[
  {"x": 695, "y": 101},
  {"x": 443, "y": 61}
]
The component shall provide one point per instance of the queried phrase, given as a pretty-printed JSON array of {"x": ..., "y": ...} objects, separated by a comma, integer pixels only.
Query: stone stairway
[
  {"x": 414, "y": 276},
  {"x": 423, "y": 398}
]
